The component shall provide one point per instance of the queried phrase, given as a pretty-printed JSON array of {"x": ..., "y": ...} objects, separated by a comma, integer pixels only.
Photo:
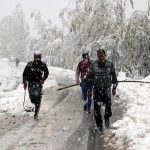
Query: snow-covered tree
[
  {"x": 48, "y": 39},
  {"x": 137, "y": 44},
  {"x": 97, "y": 24},
  {"x": 14, "y": 32}
]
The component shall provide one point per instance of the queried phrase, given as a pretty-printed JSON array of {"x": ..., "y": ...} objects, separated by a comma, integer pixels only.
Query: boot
[
  {"x": 36, "y": 111},
  {"x": 85, "y": 107},
  {"x": 107, "y": 122},
  {"x": 99, "y": 128},
  {"x": 89, "y": 110}
]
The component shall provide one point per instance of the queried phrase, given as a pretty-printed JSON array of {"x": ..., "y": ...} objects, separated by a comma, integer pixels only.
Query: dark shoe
[
  {"x": 96, "y": 129},
  {"x": 36, "y": 117},
  {"x": 89, "y": 111},
  {"x": 107, "y": 122},
  {"x": 37, "y": 107},
  {"x": 85, "y": 107},
  {"x": 99, "y": 129}
]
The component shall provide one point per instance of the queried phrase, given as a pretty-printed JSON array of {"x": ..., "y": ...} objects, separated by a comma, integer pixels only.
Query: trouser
[
  {"x": 102, "y": 96},
  {"x": 37, "y": 108},
  {"x": 87, "y": 93},
  {"x": 34, "y": 89}
]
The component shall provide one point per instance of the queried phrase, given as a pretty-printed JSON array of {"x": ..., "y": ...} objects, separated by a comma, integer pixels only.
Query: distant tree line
[
  {"x": 19, "y": 40},
  {"x": 97, "y": 24},
  {"x": 91, "y": 25}
]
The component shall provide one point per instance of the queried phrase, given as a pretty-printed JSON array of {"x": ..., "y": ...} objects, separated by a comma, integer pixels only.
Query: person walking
[
  {"x": 34, "y": 75},
  {"x": 103, "y": 75},
  {"x": 17, "y": 62},
  {"x": 86, "y": 84}
]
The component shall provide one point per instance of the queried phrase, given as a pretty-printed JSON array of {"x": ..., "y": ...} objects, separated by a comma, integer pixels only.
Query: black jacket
[
  {"x": 35, "y": 72},
  {"x": 103, "y": 75}
]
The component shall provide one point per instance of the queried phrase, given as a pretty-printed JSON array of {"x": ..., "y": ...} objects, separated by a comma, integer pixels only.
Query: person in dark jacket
[
  {"x": 86, "y": 84},
  {"x": 34, "y": 75},
  {"x": 103, "y": 75}
]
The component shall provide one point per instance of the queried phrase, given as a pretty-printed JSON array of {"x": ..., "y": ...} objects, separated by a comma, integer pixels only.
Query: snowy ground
[
  {"x": 63, "y": 124},
  {"x": 134, "y": 128}
]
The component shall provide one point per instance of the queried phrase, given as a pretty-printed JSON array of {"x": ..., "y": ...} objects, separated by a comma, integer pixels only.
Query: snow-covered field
[{"x": 133, "y": 129}]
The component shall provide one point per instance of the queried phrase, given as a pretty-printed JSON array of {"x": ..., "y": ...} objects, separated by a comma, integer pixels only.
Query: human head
[
  {"x": 37, "y": 56},
  {"x": 85, "y": 55},
  {"x": 101, "y": 55}
]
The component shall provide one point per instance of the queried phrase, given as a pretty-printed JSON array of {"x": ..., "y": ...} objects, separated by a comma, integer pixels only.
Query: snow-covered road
[
  {"x": 21, "y": 132},
  {"x": 62, "y": 125},
  {"x": 59, "y": 117}
]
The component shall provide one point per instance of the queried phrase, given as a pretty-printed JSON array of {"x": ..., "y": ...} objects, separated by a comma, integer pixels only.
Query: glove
[
  {"x": 113, "y": 91},
  {"x": 25, "y": 86},
  {"x": 41, "y": 82},
  {"x": 77, "y": 81}
]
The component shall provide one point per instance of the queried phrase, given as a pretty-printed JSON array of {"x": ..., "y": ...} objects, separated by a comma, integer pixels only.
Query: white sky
[
  {"x": 50, "y": 8},
  {"x": 138, "y": 5}
]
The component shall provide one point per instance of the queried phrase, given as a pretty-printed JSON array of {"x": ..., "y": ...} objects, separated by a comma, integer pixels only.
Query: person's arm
[
  {"x": 46, "y": 73},
  {"x": 90, "y": 74},
  {"x": 114, "y": 79},
  {"x": 25, "y": 77}
]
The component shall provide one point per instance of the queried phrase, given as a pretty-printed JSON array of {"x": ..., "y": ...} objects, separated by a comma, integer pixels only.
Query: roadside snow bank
[
  {"x": 133, "y": 131},
  {"x": 62, "y": 76}
]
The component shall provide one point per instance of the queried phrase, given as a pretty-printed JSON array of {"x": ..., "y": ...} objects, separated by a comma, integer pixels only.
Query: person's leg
[
  {"x": 108, "y": 112},
  {"x": 84, "y": 95},
  {"x": 97, "y": 114},
  {"x": 30, "y": 91},
  {"x": 38, "y": 100},
  {"x": 89, "y": 97},
  {"x": 41, "y": 89},
  {"x": 97, "y": 109},
  {"x": 35, "y": 97},
  {"x": 37, "y": 108}
]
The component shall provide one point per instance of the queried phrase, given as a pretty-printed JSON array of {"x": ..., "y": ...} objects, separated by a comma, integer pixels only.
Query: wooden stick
[
  {"x": 67, "y": 87},
  {"x": 133, "y": 81},
  {"x": 118, "y": 82}
]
